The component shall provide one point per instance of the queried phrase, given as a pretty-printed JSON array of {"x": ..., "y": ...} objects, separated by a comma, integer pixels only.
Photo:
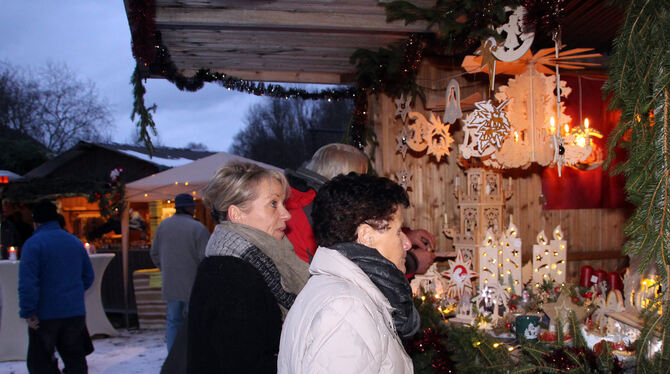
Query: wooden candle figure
[
  {"x": 558, "y": 255},
  {"x": 511, "y": 259},
  {"x": 489, "y": 261},
  {"x": 541, "y": 259}
]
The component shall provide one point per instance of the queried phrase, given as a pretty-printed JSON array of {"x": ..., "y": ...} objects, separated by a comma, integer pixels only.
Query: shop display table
[{"x": 13, "y": 329}]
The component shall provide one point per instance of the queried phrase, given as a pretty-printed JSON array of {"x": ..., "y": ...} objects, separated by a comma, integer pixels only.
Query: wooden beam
[
  {"x": 277, "y": 19},
  {"x": 279, "y": 76}
]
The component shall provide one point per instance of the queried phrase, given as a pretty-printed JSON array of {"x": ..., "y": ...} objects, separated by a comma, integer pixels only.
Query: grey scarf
[
  {"x": 390, "y": 281},
  {"x": 239, "y": 240}
]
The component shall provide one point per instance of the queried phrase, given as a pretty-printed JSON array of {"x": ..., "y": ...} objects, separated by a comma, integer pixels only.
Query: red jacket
[{"x": 298, "y": 229}]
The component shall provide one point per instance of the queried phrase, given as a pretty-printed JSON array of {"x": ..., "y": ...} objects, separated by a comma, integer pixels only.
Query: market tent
[{"x": 190, "y": 178}]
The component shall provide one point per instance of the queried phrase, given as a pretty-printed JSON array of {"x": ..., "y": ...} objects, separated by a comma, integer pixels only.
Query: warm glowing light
[
  {"x": 580, "y": 140},
  {"x": 146, "y": 195},
  {"x": 516, "y": 136},
  {"x": 552, "y": 125},
  {"x": 586, "y": 123},
  {"x": 176, "y": 182},
  {"x": 510, "y": 349},
  {"x": 186, "y": 184},
  {"x": 423, "y": 298},
  {"x": 496, "y": 345},
  {"x": 566, "y": 128}
]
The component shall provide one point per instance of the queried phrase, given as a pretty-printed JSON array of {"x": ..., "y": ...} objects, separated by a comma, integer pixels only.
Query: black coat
[{"x": 234, "y": 322}]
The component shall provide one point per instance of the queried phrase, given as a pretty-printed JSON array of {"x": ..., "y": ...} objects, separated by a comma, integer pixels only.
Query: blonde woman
[{"x": 250, "y": 275}]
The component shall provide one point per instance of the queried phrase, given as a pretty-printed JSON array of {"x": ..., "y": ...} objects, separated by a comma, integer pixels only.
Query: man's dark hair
[
  {"x": 45, "y": 211},
  {"x": 347, "y": 201}
]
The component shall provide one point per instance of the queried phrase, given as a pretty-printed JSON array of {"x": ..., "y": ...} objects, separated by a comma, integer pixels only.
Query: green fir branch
[{"x": 145, "y": 122}]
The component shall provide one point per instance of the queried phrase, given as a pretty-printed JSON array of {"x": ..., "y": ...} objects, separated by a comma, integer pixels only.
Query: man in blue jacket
[{"x": 54, "y": 273}]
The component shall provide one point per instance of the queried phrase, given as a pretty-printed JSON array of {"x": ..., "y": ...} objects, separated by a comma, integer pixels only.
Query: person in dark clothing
[
  {"x": 250, "y": 275},
  {"x": 327, "y": 162},
  {"x": 54, "y": 273}
]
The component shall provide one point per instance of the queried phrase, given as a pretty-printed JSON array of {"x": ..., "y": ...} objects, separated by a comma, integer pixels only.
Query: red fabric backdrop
[{"x": 593, "y": 189}]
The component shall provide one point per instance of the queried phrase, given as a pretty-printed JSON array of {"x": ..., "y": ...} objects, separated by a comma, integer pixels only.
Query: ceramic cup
[{"x": 527, "y": 327}]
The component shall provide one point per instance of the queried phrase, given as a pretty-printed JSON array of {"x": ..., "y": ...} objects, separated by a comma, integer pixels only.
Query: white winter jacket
[{"x": 340, "y": 323}]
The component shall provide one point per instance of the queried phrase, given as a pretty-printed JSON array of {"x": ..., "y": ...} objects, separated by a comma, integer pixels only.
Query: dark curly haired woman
[{"x": 351, "y": 314}]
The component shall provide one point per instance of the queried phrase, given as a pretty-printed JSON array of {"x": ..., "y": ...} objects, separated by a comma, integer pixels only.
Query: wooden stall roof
[{"x": 311, "y": 41}]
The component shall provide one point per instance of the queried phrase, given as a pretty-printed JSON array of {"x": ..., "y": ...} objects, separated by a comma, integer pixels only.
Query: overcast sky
[{"x": 92, "y": 38}]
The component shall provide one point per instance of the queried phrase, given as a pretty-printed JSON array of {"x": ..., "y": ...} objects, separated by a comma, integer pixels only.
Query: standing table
[{"x": 13, "y": 329}]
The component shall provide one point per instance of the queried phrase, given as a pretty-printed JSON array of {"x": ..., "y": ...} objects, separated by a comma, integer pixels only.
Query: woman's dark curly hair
[{"x": 347, "y": 201}]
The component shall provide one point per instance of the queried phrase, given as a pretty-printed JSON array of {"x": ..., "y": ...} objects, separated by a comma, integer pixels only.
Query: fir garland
[
  {"x": 640, "y": 83},
  {"x": 153, "y": 59},
  {"x": 111, "y": 198},
  {"x": 461, "y": 24},
  {"x": 452, "y": 348}
]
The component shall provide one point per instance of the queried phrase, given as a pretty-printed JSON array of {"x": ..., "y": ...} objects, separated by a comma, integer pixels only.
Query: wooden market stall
[{"x": 312, "y": 41}]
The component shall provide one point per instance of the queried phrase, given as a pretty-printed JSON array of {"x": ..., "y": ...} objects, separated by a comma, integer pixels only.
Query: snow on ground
[{"x": 133, "y": 351}]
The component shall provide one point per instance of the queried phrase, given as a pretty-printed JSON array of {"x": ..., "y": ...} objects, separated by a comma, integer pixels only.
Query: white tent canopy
[{"x": 190, "y": 178}]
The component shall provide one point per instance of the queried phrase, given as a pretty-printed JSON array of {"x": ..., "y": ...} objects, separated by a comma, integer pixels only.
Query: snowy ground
[{"x": 133, "y": 351}]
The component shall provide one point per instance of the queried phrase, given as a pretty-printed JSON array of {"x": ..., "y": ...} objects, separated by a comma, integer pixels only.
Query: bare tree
[
  {"x": 70, "y": 110},
  {"x": 19, "y": 100},
  {"x": 285, "y": 133},
  {"x": 53, "y": 106}
]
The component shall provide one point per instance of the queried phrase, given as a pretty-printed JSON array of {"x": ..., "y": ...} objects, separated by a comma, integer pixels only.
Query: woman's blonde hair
[
  {"x": 236, "y": 184},
  {"x": 336, "y": 158}
]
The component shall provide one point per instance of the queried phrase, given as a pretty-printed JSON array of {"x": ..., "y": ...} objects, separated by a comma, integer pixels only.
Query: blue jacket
[{"x": 54, "y": 273}]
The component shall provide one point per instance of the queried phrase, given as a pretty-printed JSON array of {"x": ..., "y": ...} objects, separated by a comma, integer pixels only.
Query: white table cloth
[{"x": 13, "y": 329}]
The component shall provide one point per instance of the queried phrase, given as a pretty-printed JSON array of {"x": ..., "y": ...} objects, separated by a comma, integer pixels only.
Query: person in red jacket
[{"x": 327, "y": 162}]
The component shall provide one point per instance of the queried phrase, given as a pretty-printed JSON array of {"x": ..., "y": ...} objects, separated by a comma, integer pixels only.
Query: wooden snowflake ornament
[
  {"x": 402, "y": 107},
  {"x": 485, "y": 129},
  {"x": 459, "y": 277}
]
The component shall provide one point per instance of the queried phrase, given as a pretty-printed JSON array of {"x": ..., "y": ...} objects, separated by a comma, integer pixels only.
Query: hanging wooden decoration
[
  {"x": 459, "y": 277},
  {"x": 402, "y": 107},
  {"x": 404, "y": 177},
  {"x": 517, "y": 42},
  {"x": 485, "y": 129},
  {"x": 532, "y": 105},
  {"x": 432, "y": 136},
  {"x": 402, "y": 141},
  {"x": 488, "y": 61},
  {"x": 452, "y": 106}
]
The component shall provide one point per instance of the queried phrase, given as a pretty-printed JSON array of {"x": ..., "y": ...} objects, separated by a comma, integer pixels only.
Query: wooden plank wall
[{"x": 588, "y": 231}]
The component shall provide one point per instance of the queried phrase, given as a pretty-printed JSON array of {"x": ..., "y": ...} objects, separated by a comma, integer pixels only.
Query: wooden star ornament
[
  {"x": 404, "y": 176},
  {"x": 560, "y": 309},
  {"x": 402, "y": 141},
  {"x": 402, "y": 107}
]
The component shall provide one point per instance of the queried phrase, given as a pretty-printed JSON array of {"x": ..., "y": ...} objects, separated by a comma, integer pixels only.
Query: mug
[{"x": 527, "y": 327}]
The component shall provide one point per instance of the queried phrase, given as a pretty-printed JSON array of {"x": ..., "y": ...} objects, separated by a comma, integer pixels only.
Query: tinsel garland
[
  {"x": 153, "y": 59},
  {"x": 461, "y": 26}
]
